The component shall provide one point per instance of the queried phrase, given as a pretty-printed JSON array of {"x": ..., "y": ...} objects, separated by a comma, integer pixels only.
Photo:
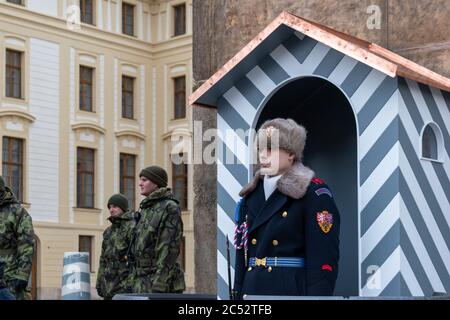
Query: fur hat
[{"x": 285, "y": 134}]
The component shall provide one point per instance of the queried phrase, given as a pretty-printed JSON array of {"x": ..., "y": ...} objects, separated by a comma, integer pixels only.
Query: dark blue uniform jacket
[{"x": 299, "y": 219}]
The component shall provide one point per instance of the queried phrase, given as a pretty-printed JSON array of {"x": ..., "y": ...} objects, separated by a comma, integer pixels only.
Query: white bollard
[{"x": 76, "y": 279}]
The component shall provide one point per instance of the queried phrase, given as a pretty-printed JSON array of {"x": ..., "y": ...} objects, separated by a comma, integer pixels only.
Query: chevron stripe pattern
[{"x": 404, "y": 202}]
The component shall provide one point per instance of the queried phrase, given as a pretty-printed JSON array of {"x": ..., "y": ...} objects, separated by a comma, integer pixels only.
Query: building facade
[{"x": 92, "y": 92}]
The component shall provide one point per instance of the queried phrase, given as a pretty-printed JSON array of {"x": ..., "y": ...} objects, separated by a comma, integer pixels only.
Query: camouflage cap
[
  {"x": 156, "y": 174},
  {"x": 119, "y": 200}
]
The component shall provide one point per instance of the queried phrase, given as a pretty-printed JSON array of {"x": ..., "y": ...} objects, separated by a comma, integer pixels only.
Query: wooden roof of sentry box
[{"x": 282, "y": 27}]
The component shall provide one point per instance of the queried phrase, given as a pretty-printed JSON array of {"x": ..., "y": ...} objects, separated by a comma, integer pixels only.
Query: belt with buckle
[{"x": 277, "y": 262}]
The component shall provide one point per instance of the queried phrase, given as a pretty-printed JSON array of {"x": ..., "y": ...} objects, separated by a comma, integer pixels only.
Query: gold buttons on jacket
[
  {"x": 249, "y": 269},
  {"x": 284, "y": 214},
  {"x": 269, "y": 269},
  {"x": 253, "y": 241},
  {"x": 275, "y": 242}
]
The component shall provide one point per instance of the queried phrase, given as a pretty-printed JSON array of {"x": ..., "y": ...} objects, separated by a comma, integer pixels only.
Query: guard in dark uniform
[{"x": 287, "y": 223}]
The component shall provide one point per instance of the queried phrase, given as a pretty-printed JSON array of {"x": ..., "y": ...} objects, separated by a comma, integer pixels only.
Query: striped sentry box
[{"x": 403, "y": 200}]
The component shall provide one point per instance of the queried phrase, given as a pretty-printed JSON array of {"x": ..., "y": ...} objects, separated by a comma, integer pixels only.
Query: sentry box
[{"x": 378, "y": 134}]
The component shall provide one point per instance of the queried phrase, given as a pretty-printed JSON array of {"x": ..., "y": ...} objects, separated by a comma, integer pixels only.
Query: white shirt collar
[{"x": 270, "y": 184}]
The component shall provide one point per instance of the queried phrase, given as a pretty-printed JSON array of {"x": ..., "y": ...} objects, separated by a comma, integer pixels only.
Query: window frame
[
  {"x": 184, "y": 203},
  {"x": 82, "y": 202},
  {"x": 9, "y": 163},
  {"x": 176, "y": 21},
  {"x": 133, "y": 93},
  {"x": 131, "y": 6},
  {"x": 21, "y": 74},
  {"x": 176, "y": 92},
  {"x": 123, "y": 177},
  {"x": 92, "y": 12},
  {"x": 22, "y": 2},
  {"x": 91, "y": 249},
  {"x": 92, "y": 85}
]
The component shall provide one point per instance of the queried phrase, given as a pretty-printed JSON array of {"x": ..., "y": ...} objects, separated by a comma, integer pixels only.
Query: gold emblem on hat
[{"x": 269, "y": 131}]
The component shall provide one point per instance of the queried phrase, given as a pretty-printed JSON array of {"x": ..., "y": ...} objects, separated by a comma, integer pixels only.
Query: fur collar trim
[{"x": 293, "y": 183}]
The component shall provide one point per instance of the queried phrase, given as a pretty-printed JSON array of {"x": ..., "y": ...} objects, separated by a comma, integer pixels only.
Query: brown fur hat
[{"x": 285, "y": 134}]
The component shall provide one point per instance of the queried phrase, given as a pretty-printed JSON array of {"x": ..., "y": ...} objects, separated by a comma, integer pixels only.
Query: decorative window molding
[
  {"x": 132, "y": 133},
  {"x": 17, "y": 113},
  {"x": 87, "y": 125},
  {"x": 178, "y": 70},
  {"x": 88, "y": 59},
  {"x": 129, "y": 69},
  {"x": 15, "y": 42}
]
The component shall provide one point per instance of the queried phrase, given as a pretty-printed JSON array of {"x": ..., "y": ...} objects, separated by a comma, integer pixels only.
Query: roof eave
[{"x": 370, "y": 54}]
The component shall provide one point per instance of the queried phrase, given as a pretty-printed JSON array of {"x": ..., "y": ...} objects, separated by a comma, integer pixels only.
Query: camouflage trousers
[
  {"x": 142, "y": 283},
  {"x": 24, "y": 294}
]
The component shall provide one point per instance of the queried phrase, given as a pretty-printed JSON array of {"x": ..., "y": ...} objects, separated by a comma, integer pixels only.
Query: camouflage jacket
[
  {"x": 2, "y": 278},
  {"x": 114, "y": 270},
  {"x": 157, "y": 245},
  {"x": 16, "y": 238}
]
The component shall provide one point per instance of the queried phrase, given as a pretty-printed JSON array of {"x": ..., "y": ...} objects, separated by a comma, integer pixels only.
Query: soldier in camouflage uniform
[
  {"x": 158, "y": 235},
  {"x": 113, "y": 271},
  {"x": 16, "y": 243}
]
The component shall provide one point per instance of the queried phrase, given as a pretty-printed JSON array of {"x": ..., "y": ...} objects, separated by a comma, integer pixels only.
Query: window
[
  {"x": 179, "y": 85},
  {"x": 179, "y": 182},
  {"x": 13, "y": 81},
  {"x": 86, "y": 88},
  {"x": 127, "y": 97},
  {"x": 128, "y": 178},
  {"x": 127, "y": 19},
  {"x": 87, "y": 11},
  {"x": 13, "y": 165},
  {"x": 85, "y": 245},
  {"x": 432, "y": 142},
  {"x": 15, "y": 1},
  {"x": 429, "y": 144},
  {"x": 85, "y": 177},
  {"x": 179, "y": 17}
]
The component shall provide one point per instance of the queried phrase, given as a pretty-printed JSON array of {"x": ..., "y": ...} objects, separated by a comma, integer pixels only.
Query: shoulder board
[{"x": 316, "y": 180}]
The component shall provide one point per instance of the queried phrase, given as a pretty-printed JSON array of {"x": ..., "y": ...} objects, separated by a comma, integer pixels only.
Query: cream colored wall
[
  {"x": 54, "y": 240},
  {"x": 148, "y": 137}
]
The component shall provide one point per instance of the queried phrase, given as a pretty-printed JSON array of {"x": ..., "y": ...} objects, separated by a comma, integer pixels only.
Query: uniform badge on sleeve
[
  {"x": 324, "y": 191},
  {"x": 325, "y": 221}
]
